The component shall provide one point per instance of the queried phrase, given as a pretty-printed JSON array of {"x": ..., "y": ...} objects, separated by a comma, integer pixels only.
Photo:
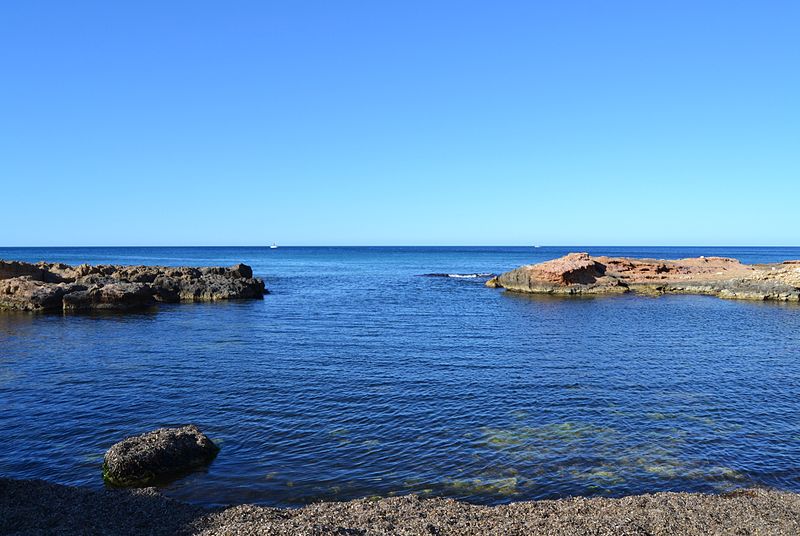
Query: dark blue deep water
[{"x": 357, "y": 377}]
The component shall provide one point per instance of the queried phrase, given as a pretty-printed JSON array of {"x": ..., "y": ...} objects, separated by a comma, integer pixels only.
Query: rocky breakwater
[
  {"x": 54, "y": 286},
  {"x": 580, "y": 273}
]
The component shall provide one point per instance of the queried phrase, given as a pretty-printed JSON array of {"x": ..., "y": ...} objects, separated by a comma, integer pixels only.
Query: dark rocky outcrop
[
  {"x": 117, "y": 296},
  {"x": 580, "y": 273},
  {"x": 55, "y": 286},
  {"x": 145, "y": 459}
]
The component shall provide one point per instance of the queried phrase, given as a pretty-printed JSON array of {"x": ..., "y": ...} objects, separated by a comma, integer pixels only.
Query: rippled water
[{"x": 359, "y": 377}]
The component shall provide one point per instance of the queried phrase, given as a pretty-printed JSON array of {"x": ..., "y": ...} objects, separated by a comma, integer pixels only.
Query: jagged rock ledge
[
  {"x": 580, "y": 273},
  {"x": 36, "y": 507},
  {"x": 55, "y": 286}
]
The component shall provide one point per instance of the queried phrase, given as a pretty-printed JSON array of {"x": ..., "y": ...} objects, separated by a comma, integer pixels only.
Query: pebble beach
[{"x": 33, "y": 507}]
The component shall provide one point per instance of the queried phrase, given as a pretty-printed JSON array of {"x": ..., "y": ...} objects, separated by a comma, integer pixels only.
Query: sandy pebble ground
[{"x": 36, "y": 507}]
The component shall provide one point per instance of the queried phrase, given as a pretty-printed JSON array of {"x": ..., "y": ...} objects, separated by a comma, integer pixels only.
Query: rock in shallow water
[{"x": 144, "y": 459}]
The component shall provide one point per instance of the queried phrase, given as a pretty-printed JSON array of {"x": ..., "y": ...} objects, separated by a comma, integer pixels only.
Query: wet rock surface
[
  {"x": 36, "y": 507},
  {"x": 55, "y": 286},
  {"x": 148, "y": 458},
  {"x": 580, "y": 273}
]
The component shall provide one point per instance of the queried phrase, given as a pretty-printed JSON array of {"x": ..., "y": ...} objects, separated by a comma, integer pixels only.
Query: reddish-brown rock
[
  {"x": 580, "y": 273},
  {"x": 572, "y": 269}
]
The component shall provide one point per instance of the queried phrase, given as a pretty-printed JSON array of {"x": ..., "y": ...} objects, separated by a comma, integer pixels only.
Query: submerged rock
[
  {"x": 580, "y": 273},
  {"x": 144, "y": 459},
  {"x": 51, "y": 286}
]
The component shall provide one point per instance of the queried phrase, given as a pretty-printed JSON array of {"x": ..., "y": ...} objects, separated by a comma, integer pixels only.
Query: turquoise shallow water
[{"x": 357, "y": 377}]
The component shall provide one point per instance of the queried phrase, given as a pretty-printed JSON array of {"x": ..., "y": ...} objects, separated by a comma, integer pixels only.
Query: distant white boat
[
  {"x": 537, "y": 246},
  {"x": 274, "y": 246}
]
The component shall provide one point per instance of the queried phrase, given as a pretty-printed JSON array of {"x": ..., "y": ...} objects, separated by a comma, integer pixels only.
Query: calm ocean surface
[{"x": 357, "y": 377}]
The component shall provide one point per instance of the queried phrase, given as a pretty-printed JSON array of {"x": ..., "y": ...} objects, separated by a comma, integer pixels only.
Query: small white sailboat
[{"x": 274, "y": 246}]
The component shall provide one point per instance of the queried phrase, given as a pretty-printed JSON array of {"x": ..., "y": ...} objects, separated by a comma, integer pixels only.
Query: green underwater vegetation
[
  {"x": 598, "y": 459},
  {"x": 482, "y": 486}
]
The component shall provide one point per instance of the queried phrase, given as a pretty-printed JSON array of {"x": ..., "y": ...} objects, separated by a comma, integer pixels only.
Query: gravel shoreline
[{"x": 34, "y": 507}]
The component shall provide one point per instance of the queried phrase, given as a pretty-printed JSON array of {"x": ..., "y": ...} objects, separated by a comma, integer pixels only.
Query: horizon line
[{"x": 542, "y": 246}]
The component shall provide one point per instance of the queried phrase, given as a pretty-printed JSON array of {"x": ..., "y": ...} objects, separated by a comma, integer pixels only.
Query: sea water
[{"x": 360, "y": 376}]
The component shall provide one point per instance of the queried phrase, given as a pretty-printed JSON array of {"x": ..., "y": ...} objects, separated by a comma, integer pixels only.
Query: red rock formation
[
  {"x": 580, "y": 273},
  {"x": 575, "y": 268}
]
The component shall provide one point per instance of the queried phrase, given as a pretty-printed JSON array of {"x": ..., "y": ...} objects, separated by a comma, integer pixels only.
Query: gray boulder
[{"x": 158, "y": 455}]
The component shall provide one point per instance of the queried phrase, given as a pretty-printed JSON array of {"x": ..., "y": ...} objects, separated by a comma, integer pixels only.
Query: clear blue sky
[{"x": 338, "y": 122}]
